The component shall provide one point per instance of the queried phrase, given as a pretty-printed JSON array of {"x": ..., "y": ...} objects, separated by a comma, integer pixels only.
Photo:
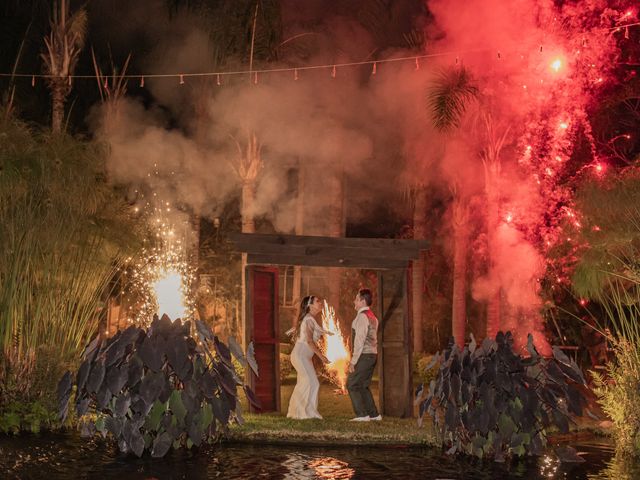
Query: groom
[{"x": 364, "y": 355}]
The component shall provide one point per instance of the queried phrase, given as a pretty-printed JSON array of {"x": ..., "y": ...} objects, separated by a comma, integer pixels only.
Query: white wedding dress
[{"x": 304, "y": 400}]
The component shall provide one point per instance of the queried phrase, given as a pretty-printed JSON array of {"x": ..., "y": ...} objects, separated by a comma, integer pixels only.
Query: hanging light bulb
[
  {"x": 373, "y": 70},
  {"x": 142, "y": 82},
  {"x": 333, "y": 72},
  {"x": 181, "y": 79}
]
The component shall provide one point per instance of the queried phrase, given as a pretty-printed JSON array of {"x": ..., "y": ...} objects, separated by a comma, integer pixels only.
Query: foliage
[
  {"x": 618, "y": 395},
  {"x": 17, "y": 417},
  {"x": 611, "y": 232},
  {"x": 62, "y": 230},
  {"x": 489, "y": 401},
  {"x": 420, "y": 362},
  {"x": 609, "y": 273},
  {"x": 157, "y": 388},
  {"x": 285, "y": 366},
  {"x": 449, "y": 96}
]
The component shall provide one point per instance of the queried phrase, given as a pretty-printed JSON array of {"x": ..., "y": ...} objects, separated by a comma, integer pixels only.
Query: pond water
[{"x": 60, "y": 456}]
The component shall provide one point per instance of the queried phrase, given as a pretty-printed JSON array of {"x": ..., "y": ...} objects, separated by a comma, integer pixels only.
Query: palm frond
[{"x": 449, "y": 97}]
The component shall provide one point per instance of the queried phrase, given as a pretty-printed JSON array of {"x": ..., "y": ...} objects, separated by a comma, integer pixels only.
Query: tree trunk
[
  {"x": 58, "y": 95},
  {"x": 493, "y": 315},
  {"x": 417, "y": 271},
  {"x": 459, "y": 300},
  {"x": 492, "y": 169},
  {"x": 248, "y": 200}
]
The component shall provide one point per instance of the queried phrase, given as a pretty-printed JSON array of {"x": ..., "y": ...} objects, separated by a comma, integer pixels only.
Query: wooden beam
[
  {"x": 324, "y": 261},
  {"x": 330, "y": 251},
  {"x": 247, "y": 239}
]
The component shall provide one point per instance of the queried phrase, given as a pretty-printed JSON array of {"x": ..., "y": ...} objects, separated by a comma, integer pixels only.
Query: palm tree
[
  {"x": 449, "y": 100},
  {"x": 417, "y": 267},
  {"x": 492, "y": 166},
  {"x": 63, "y": 46},
  {"x": 460, "y": 221}
]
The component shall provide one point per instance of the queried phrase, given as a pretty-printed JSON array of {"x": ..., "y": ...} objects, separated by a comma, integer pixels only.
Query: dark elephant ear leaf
[
  {"x": 204, "y": 331},
  {"x": 161, "y": 445},
  {"x": 220, "y": 410},
  {"x": 195, "y": 433},
  {"x": 91, "y": 349},
  {"x": 82, "y": 405},
  {"x": 113, "y": 426},
  {"x": 123, "y": 401},
  {"x": 253, "y": 399},
  {"x": 237, "y": 352},
  {"x": 150, "y": 355},
  {"x": 134, "y": 371},
  {"x": 137, "y": 443},
  {"x": 223, "y": 352},
  {"x": 96, "y": 377},
  {"x": 117, "y": 378},
  {"x": 83, "y": 374},
  {"x": 103, "y": 397},
  {"x": 251, "y": 359},
  {"x": 64, "y": 393}
]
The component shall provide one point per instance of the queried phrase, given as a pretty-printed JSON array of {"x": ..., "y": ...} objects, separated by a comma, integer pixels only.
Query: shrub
[
  {"x": 489, "y": 401},
  {"x": 31, "y": 417},
  {"x": 420, "y": 363},
  {"x": 619, "y": 396},
  {"x": 285, "y": 366},
  {"x": 158, "y": 388}
]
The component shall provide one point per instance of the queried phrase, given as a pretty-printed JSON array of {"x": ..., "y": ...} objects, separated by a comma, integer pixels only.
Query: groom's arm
[{"x": 360, "y": 325}]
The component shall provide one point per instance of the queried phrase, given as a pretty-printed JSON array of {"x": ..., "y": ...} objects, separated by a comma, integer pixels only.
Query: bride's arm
[
  {"x": 313, "y": 328},
  {"x": 318, "y": 331}
]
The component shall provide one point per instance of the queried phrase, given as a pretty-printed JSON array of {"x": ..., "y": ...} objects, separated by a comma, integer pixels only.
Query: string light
[
  {"x": 310, "y": 67},
  {"x": 295, "y": 74},
  {"x": 142, "y": 81},
  {"x": 373, "y": 70},
  {"x": 333, "y": 72}
]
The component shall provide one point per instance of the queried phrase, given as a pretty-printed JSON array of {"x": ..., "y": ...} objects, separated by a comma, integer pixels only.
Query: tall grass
[
  {"x": 62, "y": 233},
  {"x": 609, "y": 273}
]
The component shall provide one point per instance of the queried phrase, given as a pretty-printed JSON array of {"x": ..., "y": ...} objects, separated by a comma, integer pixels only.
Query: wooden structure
[{"x": 391, "y": 258}]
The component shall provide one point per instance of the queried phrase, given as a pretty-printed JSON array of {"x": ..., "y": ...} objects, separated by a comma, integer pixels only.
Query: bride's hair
[{"x": 305, "y": 307}]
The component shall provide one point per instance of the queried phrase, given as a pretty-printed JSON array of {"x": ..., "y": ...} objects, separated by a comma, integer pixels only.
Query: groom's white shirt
[{"x": 362, "y": 343}]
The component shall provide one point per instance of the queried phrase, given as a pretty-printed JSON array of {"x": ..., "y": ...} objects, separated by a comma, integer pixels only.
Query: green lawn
[{"x": 333, "y": 429}]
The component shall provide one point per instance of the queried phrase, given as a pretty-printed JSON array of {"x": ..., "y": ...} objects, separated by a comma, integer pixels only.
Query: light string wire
[{"x": 295, "y": 70}]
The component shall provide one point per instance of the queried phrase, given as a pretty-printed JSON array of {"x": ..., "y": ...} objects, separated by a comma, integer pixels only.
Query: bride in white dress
[{"x": 304, "y": 400}]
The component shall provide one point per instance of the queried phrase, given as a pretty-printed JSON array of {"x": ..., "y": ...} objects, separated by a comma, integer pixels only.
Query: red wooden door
[{"x": 262, "y": 329}]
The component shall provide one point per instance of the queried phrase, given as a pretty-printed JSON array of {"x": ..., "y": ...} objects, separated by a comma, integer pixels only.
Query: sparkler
[
  {"x": 335, "y": 348},
  {"x": 162, "y": 276}
]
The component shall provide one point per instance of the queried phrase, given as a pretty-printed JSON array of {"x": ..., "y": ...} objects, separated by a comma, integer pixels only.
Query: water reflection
[
  {"x": 54, "y": 457},
  {"x": 620, "y": 467},
  {"x": 332, "y": 469},
  {"x": 302, "y": 466},
  {"x": 548, "y": 466}
]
